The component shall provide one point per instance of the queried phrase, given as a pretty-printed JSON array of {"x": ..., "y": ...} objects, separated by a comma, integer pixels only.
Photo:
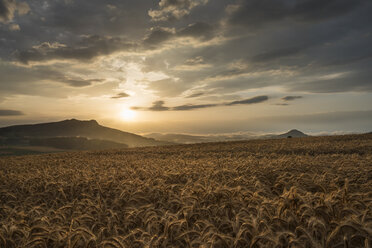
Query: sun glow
[{"x": 128, "y": 114}]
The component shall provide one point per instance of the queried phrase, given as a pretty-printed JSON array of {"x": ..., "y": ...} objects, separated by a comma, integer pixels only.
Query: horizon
[
  {"x": 246, "y": 134},
  {"x": 196, "y": 67}
]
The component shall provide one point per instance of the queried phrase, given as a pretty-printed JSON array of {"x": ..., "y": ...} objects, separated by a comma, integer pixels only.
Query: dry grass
[{"x": 308, "y": 192}]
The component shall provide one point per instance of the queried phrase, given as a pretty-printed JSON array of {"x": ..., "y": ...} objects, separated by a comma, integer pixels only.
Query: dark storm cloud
[
  {"x": 256, "y": 13},
  {"x": 91, "y": 46},
  {"x": 6, "y": 10},
  {"x": 296, "y": 68},
  {"x": 304, "y": 54},
  {"x": 105, "y": 18},
  {"x": 174, "y": 9},
  {"x": 86, "y": 49},
  {"x": 158, "y": 35},
  {"x": 256, "y": 99},
  {"x": 66, "y": 22},
  {"x": 120, "y": 95},
  {"x": 297, "y": 45},
  {"x": 317, "y": 10},
  {"x": 276, "y": 54},
  {"x": 291, "y": 98},
  {"x": 9, "y": 7},
  {"x": 7, "y": 112},
  {"x": 348, "y": 61},
  {"x": 159, "y": 105}
]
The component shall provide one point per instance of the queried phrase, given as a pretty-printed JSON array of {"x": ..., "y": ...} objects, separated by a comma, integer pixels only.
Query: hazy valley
[{"x": 89, "y": 135}]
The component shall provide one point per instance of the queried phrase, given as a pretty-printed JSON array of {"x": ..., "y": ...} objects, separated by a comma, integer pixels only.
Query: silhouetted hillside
[
  {"x": 76, "y": 143},
  {"x": 76, "y": 128}
]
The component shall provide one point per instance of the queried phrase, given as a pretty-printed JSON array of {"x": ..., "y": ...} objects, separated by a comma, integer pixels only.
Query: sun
[{"x": 128, "y": 114}]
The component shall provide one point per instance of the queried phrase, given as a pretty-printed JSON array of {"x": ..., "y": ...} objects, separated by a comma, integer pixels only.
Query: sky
[{"x": 188, "y": 66}]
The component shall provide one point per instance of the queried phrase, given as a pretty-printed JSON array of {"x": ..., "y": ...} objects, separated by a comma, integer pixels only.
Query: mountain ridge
[
  {"x": 78, "y": 128},
  {"x": 91, "y": 129}
]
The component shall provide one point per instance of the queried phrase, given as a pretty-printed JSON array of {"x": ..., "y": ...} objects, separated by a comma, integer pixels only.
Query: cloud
[
  {"x": 14, "y": 27},
  {"x": 197, "y": 94},
  {"x": 174, "y": 9},
  {"x": 91, "y": 46},
  {"x": 120, "y": 95},
  {"x": 191, "y": 106},
  {"x": 168, "y": 87},
  {"x": 30, "y": 80},
  {"x": 291, "y": 98},
  {"x": 104, "y": 18},
  {"x": 198, "y": 30},
  {"x": 159, "y": 105},
  {"x": 158, "y": 35},
  {"x": 87, "y": 48},
  {"x": 281, "y": 104},
  {"x": 256, "y": 99},
  {"x": 285, "y": 45},
  {"x": 9, "y": 7},
  {"x": 199, "y": 60},
  {"x": 77, "y": 82},
  {"x": 276, "y": 54},
  {"x": 156, "y": 106},
  {"x": 257, "y": 13},
  {"x": 357, "y": 81},
  {"x": 7, "y": 112}
]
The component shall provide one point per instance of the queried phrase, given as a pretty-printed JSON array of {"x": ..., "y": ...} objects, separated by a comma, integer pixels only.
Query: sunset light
[{"x": 128, "y": 115}]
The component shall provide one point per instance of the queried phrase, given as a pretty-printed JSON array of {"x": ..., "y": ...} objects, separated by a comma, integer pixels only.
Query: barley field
[{"x": 300, "y": 192}]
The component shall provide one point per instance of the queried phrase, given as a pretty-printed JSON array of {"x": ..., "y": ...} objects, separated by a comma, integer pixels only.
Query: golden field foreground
[{"x": 300, "y": 192}]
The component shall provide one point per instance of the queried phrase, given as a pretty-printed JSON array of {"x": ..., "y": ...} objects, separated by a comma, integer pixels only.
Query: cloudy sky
[{"x": 191, "y": 66}]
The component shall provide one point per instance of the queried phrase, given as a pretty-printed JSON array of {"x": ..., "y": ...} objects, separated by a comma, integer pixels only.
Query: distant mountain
[
  {"x": 179, "y": 138},
  {"x": 189, "y": 139},
  {"x": 294, "y": 133},
  {"x": 21, "y": 134}
]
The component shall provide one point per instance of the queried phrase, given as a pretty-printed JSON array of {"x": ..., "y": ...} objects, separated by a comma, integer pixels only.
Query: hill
[
  {"x": 76, "y": 143},
  {"x": 294, "y": 133},
  {"x": 302, "y": 192},
  {"x": 21, "y": 134}
]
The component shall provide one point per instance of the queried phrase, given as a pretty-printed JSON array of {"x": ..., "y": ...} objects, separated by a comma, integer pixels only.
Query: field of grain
[{"x": 300, "y": 192}]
